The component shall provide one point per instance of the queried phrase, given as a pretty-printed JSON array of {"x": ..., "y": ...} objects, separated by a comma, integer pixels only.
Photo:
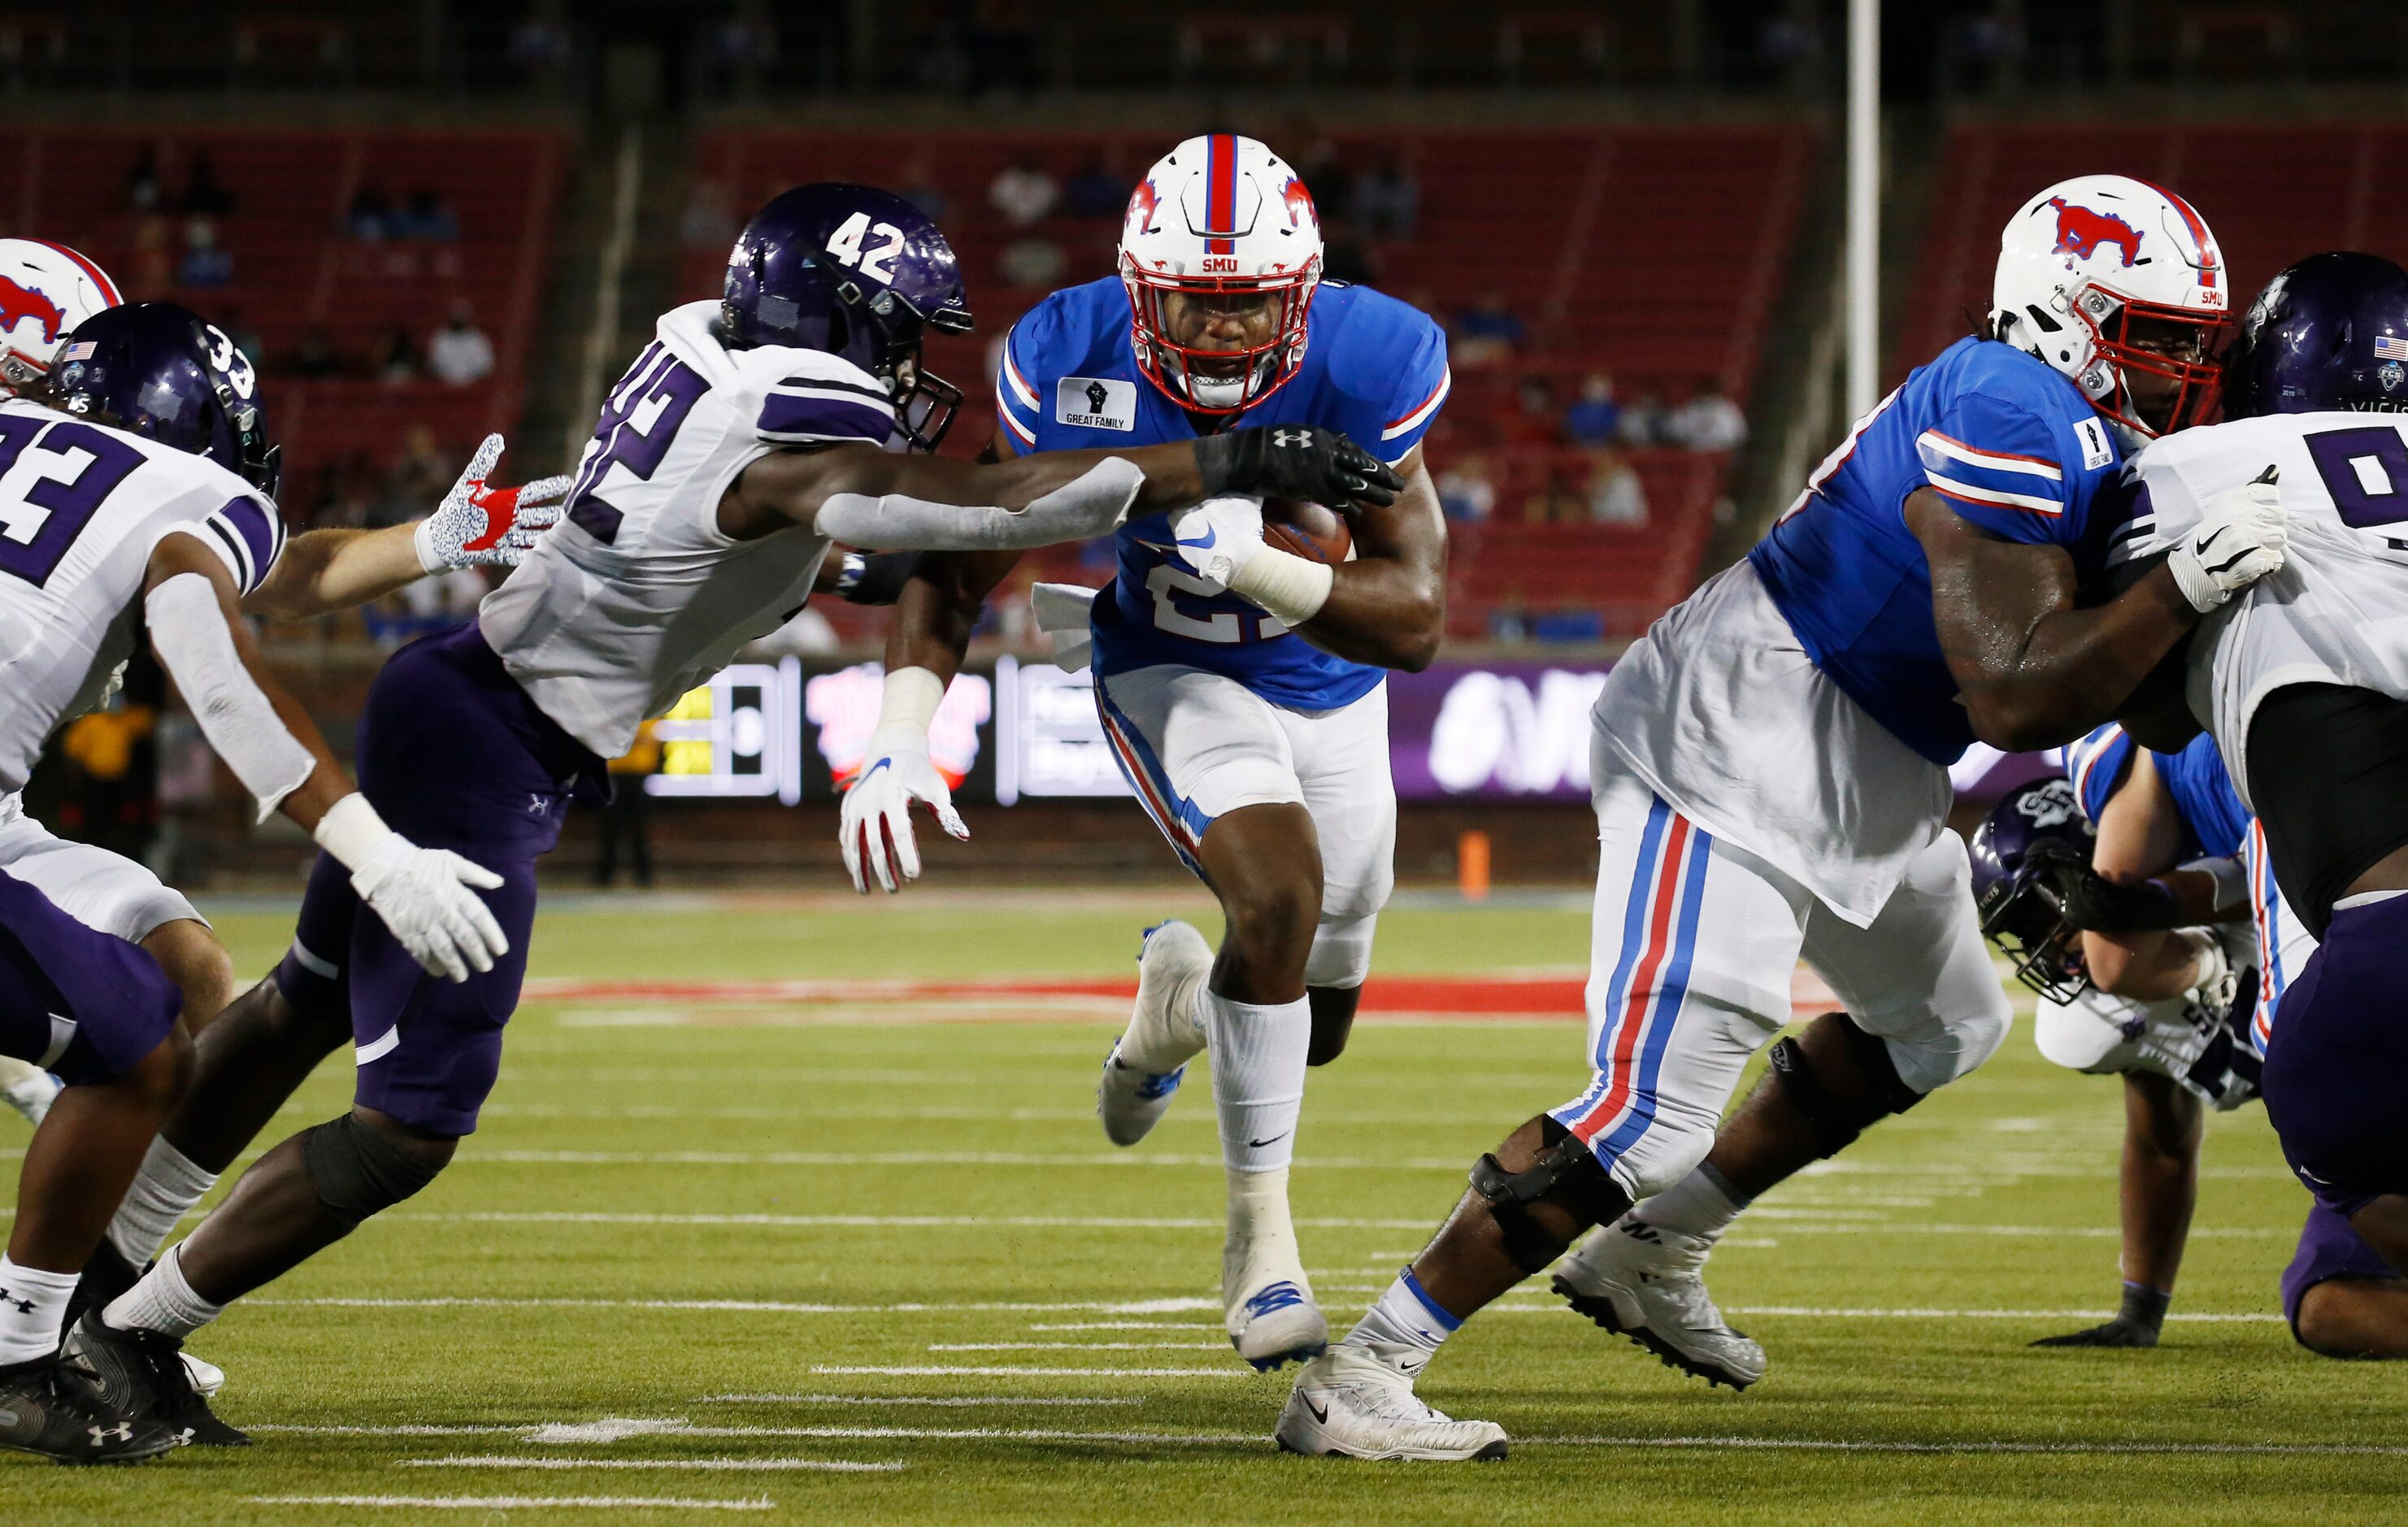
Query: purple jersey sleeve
[
  {"x": 2002, "y": 467},
  {"x": 247, "y": 535},
  {"x": 811, "y": 405}
]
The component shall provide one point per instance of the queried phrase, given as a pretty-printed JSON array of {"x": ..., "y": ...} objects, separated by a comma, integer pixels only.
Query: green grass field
[{"x": 795, "y": 1231}]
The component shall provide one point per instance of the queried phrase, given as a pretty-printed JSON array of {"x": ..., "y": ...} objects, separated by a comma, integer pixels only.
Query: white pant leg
[
  {"x": 98, "y": 889},
  {"x": 1195, "y": 746},
  {"x": 1693, "y": 949},
  {"x": 1920, "y": 976},
  {"x": 1342, "y": 759}
]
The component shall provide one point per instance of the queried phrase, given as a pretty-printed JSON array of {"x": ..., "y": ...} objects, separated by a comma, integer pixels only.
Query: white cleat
[
  {"x": 207, "y": 1376},
  {"x": 1171, "y": 964},
  {"x": 32, "y": 1095},
  {"x": 1348, "y": 1404},
  {"x": 1276, "y": 1323},
  {"x": 1646, "y": 1283}
]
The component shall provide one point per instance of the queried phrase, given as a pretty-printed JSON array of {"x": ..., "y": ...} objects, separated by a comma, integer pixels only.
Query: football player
[
  {"x": 2304, "y": 682},
  {"x": 1240, "y": 683},
  {"x": 136, "y": 472},
  {"x": 2140, "y": 945},
  {"x": 1922, "y": 593},
  {"x": 46, "y": 291},
  {"x": 752, "y": 433}
]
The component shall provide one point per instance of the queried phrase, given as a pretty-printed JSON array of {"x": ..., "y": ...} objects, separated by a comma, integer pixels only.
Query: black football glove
[
  {"x": 873, "y": 577},
  {"x": 1295, "y": 461},
  {"x": 2096, "y": 904},
  {"x": 2120, "y": 1332}
]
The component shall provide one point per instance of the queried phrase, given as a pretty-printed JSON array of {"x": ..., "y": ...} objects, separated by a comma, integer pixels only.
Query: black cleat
[
  {"x": 106, "y": 1275},
  {"x": 143, "y": 1374},
  {"x": 48, "y": 1407}
]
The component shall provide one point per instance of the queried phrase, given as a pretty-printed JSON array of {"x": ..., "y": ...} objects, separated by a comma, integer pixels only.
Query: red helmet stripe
[
  {"x": 2198, "y": 235},
  {"x": 1221, "y": 193},
  {"x": 99, "y": 278}
]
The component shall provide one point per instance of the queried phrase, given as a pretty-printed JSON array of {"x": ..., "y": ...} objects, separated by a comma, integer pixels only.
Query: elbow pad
[
  {"x": 1091, "y": 505},
  {"x": 187, "y": 629}
]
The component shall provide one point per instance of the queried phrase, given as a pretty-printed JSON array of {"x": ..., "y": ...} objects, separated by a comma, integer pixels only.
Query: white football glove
[
  {"x": 2238, "y": 540},
  {"x": 477, "y": 526},
  {"x": 428, "y": 897},
  {"x": 1211, "y": 541},
  {"x": 875, "y": 828}
]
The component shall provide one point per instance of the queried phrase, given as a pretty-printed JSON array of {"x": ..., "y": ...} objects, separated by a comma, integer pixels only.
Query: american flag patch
[
  {"x": 2389, "y": 349},
  {"x": 83, "y": 350}
]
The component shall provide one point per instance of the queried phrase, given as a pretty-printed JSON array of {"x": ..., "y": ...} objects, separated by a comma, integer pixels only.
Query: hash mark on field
[
  {"x": 947, "y": 1401},
  {"x": 724, "y": 1465},
  {"x": 523, "y": 1503}
]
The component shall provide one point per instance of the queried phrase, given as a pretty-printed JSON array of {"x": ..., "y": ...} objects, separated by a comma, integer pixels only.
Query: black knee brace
[
  {"x": 1566, "y": 1174},
  {"x": 357, "y": 1171},
  {"x": 1836, "y": 1121}
]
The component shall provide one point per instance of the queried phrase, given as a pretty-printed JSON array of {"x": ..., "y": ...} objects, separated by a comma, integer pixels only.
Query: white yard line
[
  {"x": 1173, "y": 1305},
  {"x": 719, "y": 1465},
  {"x": 2342, "y": 1450},
  {"x": 918, "y": 1433},
  {"x": 933, "y": 1157},
  {"x": 523, "y": 1503},
  {"x": 933, "y": 1370},
  {"x": 399, "y": 1428},
  {"x": 881, "y": 1221},
  {"x": 944, "y": 1400},
  {"x": 1126, "y": 1325},
  {"x": 1078, "y": 1346}
]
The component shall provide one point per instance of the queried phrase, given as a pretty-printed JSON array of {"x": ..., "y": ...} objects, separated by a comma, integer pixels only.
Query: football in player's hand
[{"x": 1307, "y": 529}]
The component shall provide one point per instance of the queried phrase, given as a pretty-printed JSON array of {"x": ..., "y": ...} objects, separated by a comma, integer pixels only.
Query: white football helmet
[
  {"x": 1217, "y": 216},
  {"x": 46, "y": 290},
  {"x": 2085, "y": 258}
]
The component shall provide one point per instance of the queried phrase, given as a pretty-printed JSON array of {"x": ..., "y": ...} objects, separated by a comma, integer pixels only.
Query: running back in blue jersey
[
  {"x": 2215, "y": 823},
  {"x": 1374, "y": 367},
  {"x": 2011, "y": 445}
]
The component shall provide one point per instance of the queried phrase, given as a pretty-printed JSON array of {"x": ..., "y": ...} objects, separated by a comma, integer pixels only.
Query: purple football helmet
[
  {"x": 2012, "y": 851},
  {"x": 859, "y": 273},
  {"x": 160, "y": 370},
  {"x": 2326, "y": 335}
]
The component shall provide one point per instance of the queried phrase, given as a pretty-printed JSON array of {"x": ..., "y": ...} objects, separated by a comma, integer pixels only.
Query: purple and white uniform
[{"x": 477, "y": 740}]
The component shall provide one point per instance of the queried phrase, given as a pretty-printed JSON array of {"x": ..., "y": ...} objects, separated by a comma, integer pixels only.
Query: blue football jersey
[
  {"x": 2011, "y": 445},
  {"x": 1374, "y": 367},
  {"x": 2213, "y": 820}
]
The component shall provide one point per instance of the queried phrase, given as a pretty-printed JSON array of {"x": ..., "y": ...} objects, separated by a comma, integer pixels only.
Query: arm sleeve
[
  {"x": 247, "y": 535},
  {"x": 1019, "y": 407},
  {"x": 1392, "y": 418},
  {"x": 805, "y": 404},
  {"x": 189, "y": 632},
  {"x": 2097, "y": 765},
  {"x": 2002, "y": 467}
]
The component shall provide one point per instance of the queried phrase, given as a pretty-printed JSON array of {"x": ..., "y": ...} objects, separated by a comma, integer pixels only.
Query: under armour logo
[
  {"x": 1292, "y": 439},
  {"x": 536, "y": 805},
  {"x": 121, "y": 1432},
  {"x": 22, "y": 1306}
]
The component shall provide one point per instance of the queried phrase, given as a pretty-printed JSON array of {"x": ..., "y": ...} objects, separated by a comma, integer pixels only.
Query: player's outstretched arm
[
  {"x": 427, "y": 897},
  {"x": 323, "y": 572},
  {"x": 2035, "y": 671},
  {"x": 2140, "y": 919},
  {"x": 869, "y": 497}
]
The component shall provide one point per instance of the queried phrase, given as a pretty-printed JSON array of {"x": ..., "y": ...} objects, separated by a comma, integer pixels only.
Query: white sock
[
  {"x": 164, "y": 1191},
  {"x": 163, "y": 1301},
  {"x": 1261, "y": 1235},
  {"x": 1257, "y": 1077},
  {"x": 33, "y": 1311},
  {"x": 1700, "y": 1205},
  {"x": 1404, "y": 1327}
]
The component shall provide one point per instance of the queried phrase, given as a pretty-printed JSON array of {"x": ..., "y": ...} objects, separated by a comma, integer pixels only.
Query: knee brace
[
  {"x": 358, "y": 1172},
  {"x": 1567, "y": 1174},
  {"x": 1837, "y": 1120}
]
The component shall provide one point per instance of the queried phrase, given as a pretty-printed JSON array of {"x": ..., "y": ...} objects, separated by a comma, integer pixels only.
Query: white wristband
[
  {"x": 1292, "y": 588},
  {"x": 351, "y": 831},
  {"x": 912, "y": 696},
  {"x": 2231, "y": 879},
  {"x": 430, "y": 561}
]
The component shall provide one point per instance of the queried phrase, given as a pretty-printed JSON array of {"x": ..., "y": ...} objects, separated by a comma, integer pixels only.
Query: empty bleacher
[{"x": 297, "y": 268}]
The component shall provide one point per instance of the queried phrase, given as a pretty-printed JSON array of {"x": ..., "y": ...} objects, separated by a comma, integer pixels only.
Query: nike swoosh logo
[
  {"x": 1211, "y": 535},
  {"x": 1320, "y": 1413},
  {"x": 2201, "y": 550},
  {"x": 872, "y": 770},
  {"x": 1273, "y": 1140}
]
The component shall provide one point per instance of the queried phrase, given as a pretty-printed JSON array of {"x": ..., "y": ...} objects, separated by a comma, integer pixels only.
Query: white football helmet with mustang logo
[
  {"x": 46, "y": 290},
  {"x": 1219, "y": 219},
  {"x": 2088, "y": 258}
]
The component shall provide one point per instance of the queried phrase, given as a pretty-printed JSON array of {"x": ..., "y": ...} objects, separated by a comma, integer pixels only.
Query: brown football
[{"x": 1307, "y": 529}]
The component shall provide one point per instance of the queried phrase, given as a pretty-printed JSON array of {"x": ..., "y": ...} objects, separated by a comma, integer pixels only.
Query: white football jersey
[
  {"x": 2337, "y": 610},
  {"x": 81, "y": 505},
  {"x": 636, "y": 598}
]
